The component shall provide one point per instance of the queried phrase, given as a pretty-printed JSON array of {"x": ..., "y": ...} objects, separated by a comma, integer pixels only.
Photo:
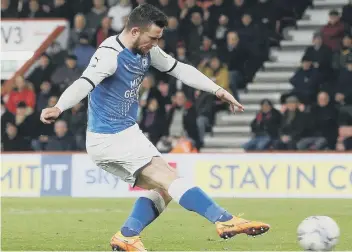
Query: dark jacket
[
  {"x": 267, "y": 124},
  {"x": 294, "y": 128}
]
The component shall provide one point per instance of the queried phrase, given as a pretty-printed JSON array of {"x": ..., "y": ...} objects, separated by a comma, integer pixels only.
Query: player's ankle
[
  {"x": 127, "y": 232},
  {"x": 224, "y": 217}
]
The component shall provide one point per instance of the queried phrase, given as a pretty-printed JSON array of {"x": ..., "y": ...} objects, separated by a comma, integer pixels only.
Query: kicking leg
[{"x": 158, "y": 174}]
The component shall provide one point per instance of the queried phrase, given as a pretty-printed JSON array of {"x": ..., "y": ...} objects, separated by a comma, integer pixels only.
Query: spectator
[
  {"x": 119, "y": 13},
  {"x": 265, "y": 14},
  {"x": 305, "y": 81},
  {"x": 181, "y": 119},
  {"x": 26, "y": 122},
  {"x": 333, "y": 32},
  {"x": 76, "y": 119},
  {"x": 22, "y": 92},
  {"x": 8, "y": 11},
  {"x": 96, "y": 15},
  {"x": 77, "y": 30},
  {"x": 216, "y": 10},
  {"x": 344, "y": 141},
  {"x": 65, "y": 75},
  {"x": 6, "y": 117},
  {"x": 194, "y": 33},
  {"x": 207, "y": 50},
  {"x": 220, "y": 30},
  {"x": 57, "y": 53},
  {"x": 174, "y": 83},
  {"x": 235, "y": 56},
  {"x": 52, "y": 101},
  {"x": 204, "y": 105},
  {"x": 345, "y": 52},
  {"x": 148, "y": 91},
  {"x": 61, "y": 9},
  {"x": 255, "y": 41},
  {"x": 237, "y": 10},
  {"x": 344, "y": 85},
  {"x": 80, "y": 6},
  {"x": 34, "y": 11},
  {"x": 12, "y": 141},
  {"x": 187, "y": 10},
  {"x": 45, "y": 131},
  {"x": 216, "y": 71},
  {"x": 46, "y": 91},
  {"x": 320, "y": 55},
  {"x": 172, "y": 35},
  {"x": 153, "y": 122},
  {"x": 103, "y": 32},
  {"x": 83, "y": 51},
  {"x": 169, "y": 7},
  {"x": 324, "y": 125},
  {"x": 42, "y": 72},
  {"x": 347, "y": 13},
  {"x": 264, "y": 127},
  {"x": 164, "y": 89},
  {"x": 293, "y": 124},
  {"x": 62, "y": 140}
]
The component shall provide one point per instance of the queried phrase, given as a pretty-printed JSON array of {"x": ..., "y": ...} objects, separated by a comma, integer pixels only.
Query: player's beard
[{"x": 136, "y": 48}]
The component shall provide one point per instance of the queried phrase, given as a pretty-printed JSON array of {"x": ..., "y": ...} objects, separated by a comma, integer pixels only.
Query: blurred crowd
[
  {"x": 228, "y": 40},
  {"x": 317, "y": 112}
]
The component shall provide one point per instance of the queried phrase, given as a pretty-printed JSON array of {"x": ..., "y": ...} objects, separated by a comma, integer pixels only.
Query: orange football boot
[
  {"x": 237, "y": 225},
  {"x": 121, "y": 243}
]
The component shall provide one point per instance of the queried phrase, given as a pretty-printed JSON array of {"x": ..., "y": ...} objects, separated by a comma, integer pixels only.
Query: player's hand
[
  {"x": 225, "y": 96},
  {"x": 49, "y": 115}
]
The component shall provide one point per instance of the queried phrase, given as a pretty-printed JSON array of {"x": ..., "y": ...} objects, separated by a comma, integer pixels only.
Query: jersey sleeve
[
  {"x": 102, "y": 65},
  {"x": 161, "y": 60}
]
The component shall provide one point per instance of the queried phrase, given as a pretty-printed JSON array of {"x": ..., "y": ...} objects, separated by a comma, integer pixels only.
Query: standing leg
[{"x": 146, "y": 209}]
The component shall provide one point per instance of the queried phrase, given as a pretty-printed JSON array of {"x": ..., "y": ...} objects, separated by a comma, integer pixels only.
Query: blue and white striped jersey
[{"x": 116, "y": 74}]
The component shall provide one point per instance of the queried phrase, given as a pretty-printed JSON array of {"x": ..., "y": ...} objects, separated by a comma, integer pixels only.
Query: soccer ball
[{"x": 318, "y": 233}]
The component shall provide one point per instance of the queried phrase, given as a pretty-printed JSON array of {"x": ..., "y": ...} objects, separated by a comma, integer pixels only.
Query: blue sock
[
  {"x": 143, "y": 213},
  {"x": 196, "y": 200}
]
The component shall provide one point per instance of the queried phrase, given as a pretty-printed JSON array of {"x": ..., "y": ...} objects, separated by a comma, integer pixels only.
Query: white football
[{"x": 318, "y": 233}]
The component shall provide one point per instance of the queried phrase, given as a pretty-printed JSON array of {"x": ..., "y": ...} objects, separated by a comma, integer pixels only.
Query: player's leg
[
  {"x": 145, "y": 210},
  {"x": 158, "y": 174}
]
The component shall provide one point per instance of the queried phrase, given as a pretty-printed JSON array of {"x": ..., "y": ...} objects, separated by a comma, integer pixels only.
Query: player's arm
[
  {"x": 102, "y": 65},
  {"x": 190, "y": 76}
]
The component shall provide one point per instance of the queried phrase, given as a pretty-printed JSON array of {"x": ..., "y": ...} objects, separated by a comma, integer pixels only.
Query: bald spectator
[
  {"x": 62, "y": 140},
  {"x": 78, "y": 29}
]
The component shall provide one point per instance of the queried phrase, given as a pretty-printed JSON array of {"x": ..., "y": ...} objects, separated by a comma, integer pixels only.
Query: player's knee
[
  {"x": 164, "y": 194},
  {"x": 156, "y": 196},
  {"x": 159, "y": 175}
]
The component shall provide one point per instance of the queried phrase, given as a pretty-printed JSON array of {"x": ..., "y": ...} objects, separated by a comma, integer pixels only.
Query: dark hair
[
  {"x": 145, "y": 15},
  {"x": 334, "y": 13}
]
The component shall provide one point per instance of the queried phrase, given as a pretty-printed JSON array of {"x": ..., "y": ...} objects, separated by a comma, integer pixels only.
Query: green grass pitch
[{"x": 87, "y": 224}]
